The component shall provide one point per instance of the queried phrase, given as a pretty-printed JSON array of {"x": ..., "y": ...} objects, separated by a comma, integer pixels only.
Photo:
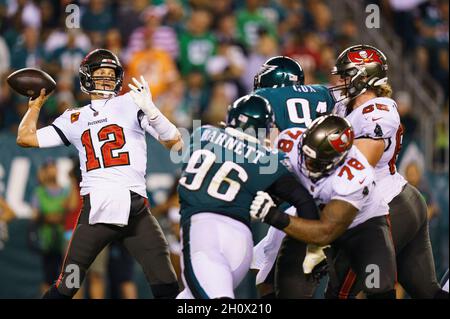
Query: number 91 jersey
[
  {"x": 223, "y": 171},
  {"x": 110, "y": 142},
  {"x": 298, "y": 105},
  {"x": 352, "y": 182}
]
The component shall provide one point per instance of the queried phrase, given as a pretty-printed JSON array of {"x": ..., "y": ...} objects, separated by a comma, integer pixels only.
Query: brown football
[{"x": 29, "y": 82}]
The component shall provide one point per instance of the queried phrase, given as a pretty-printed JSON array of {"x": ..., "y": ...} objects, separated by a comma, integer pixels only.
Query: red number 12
[{"x": 118, "y": 141}]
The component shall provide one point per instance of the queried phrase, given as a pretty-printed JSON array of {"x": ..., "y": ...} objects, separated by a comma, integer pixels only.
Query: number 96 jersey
[
  {"x": 110, "y": 142},
  {"x": 352, "y": 182},
  {"x": 223, "y": 171}
]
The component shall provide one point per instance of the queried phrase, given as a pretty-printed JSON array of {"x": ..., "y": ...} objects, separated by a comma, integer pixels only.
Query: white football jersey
[
  {"x": 379, "y": 119},
  {"x": 352, "y": 182},
  {"x": 110, "y": 142}
]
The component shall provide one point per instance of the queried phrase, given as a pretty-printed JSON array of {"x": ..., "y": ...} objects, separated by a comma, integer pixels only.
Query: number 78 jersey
[
  {"x": 352, "y": 182},
  {"x": 298, "y": 105}
]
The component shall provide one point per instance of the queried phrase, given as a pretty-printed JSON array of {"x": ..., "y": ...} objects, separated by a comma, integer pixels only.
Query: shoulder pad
[
  {"x": 355, "y": 176},
  {"x": 376, "y": 119}
]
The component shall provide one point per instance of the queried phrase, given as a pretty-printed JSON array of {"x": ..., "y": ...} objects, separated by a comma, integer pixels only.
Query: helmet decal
[
  {"x": 243, "y": 118},
  {"x": 364, "y": 56},
  {"x": 341, "y": 142},
  {"x": 266, "y": 68}
]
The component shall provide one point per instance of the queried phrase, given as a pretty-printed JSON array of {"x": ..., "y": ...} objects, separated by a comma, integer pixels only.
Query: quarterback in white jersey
[
  {"x": 378, "y": 135},
  {"x": 109, "y": 135},
  {"x": 353, "y": 218}
]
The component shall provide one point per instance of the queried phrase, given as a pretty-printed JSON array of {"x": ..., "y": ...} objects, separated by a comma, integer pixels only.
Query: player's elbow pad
[{"x": 165, "y": 129}]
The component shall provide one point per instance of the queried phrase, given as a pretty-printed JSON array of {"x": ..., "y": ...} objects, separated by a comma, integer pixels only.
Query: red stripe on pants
[{"x": 347, "y": 286}]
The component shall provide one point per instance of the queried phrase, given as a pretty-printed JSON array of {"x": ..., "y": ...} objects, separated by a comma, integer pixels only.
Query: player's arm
[
  {"x": 158, "y": 125},
  {"x": 26, "y": 134},
  {"x": 175, "y": 143},
  {"x": 372, "y": 149},
  {"x": 335, "y": 218},
  {"x": 287, "y": 188}
]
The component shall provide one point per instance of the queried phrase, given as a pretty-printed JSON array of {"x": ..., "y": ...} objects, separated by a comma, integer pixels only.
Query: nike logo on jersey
[
  {"x": 362, "y": 181},
  {"x": 376, "y": 118}
]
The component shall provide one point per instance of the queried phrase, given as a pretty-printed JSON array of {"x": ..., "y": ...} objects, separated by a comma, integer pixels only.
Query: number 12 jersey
[{"x": 110, "y": 140}]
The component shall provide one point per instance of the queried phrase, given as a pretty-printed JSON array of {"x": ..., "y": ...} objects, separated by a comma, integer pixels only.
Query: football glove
[
  {"x": 141, "y": 95},
  {"x": 263, "y": 208},
  {"x": 314, "y": 256}
]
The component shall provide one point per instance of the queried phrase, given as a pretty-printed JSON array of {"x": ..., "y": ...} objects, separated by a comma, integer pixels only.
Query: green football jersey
[
  {"x": 223, "y": 171},
  {"x": 298, "y": 105}
]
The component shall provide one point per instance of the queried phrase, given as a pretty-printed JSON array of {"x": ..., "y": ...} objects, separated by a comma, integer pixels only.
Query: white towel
[{"x": 110, "y": 206}]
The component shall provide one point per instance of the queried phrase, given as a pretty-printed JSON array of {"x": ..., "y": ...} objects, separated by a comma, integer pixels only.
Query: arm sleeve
[
  {"x": 57, "y": 133},
  {"x": 160, "y": 128},
  {"x": 145, "y": 125},
  {"x": 287, "y": 188},
  {"x": 49, "y": 137}
]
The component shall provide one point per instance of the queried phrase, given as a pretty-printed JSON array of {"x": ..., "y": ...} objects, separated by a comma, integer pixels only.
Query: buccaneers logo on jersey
[{"x": 74, "y": 117}]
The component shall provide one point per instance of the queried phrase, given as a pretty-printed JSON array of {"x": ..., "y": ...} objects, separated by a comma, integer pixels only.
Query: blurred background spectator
[
  {"x": 121, "y": 273},
  {"x": 414, "y": 176},
  {"x": 6, "y": 216},
  {"x": 6, "y": 213},
  {"x": 50, "y": 204},
  {"x": 197, "y": 43}
]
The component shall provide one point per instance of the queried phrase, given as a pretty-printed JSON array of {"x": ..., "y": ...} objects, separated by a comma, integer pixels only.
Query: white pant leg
[
  {"x": 445, "y": 288},
  {"x": 266, "y": 251},
  {"x": 185, "y": 294},
  {"x": 216, "y": 256}
]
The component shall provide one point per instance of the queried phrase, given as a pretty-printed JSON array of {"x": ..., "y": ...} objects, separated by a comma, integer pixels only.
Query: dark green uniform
[
  {"x": 298, "y": 105},
  {"x": 224, "y": 173}
]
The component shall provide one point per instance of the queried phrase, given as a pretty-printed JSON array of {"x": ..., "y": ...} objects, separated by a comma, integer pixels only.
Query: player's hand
[
  {"x": 261, "y": 205},
  {"x": 263, "y": 208},
  {"x": 141, "y": 95},
  {"x": 39, "y": 101}
]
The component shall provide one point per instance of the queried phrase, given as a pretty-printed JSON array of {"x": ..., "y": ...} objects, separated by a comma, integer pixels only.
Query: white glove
[
  {"x": 142, "y": 96},
  {"x": 261, "y": 205},
  {"x": 314, "y": 256}
]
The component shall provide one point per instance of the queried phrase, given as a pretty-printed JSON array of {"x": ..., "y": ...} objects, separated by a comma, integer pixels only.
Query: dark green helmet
[
  {"x": 279, "y": 71},
  {"x": 325, "y": 145},
  {"x": 250, "y": 112}
]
